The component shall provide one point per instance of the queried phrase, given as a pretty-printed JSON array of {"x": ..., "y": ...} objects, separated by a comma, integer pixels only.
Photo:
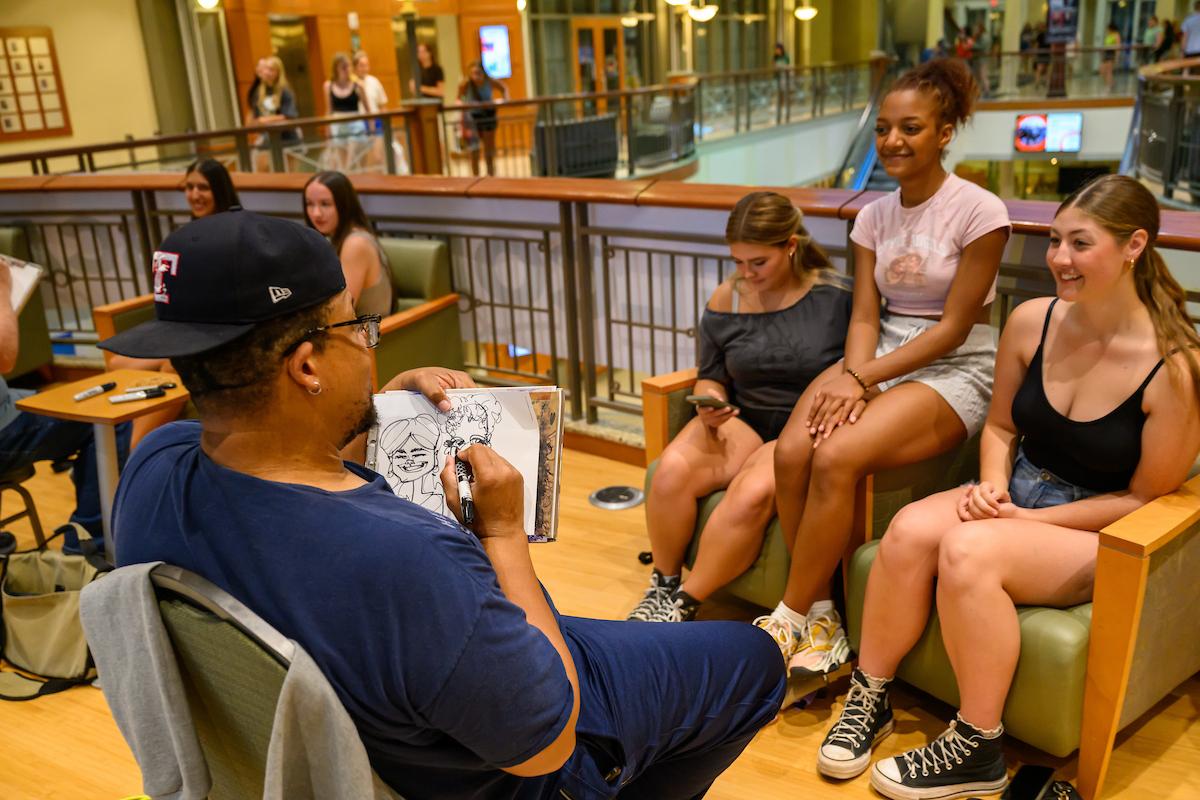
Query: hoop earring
[{"x": 315, "y": 389}]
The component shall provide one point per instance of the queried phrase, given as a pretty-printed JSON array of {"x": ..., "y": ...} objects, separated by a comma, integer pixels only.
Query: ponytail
[{"x": 1166, "y": 301}]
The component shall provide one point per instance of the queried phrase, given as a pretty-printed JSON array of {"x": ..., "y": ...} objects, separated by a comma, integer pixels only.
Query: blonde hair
[
  {"x": 339, "y": 59},
  {"x": 1122, "y": 206},
  {"x": 280, "y": 84},
  {"x": 769, "y": 218}
]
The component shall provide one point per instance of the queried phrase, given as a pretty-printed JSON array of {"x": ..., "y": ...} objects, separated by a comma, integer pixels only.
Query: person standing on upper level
[{"x": 1189, "y": 33}]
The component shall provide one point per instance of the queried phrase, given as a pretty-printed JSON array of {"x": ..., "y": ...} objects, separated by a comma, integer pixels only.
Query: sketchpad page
[{"x": 413, "y": 439}]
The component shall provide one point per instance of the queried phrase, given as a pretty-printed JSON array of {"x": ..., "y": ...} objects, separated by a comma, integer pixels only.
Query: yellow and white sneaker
[
  {"x": 823, "y": 650},
  {"x": 787, "y": 637}
]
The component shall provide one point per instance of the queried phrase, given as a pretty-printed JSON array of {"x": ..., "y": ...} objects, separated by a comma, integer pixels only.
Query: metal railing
[
  {"x": 349, "y": 143},
  {"x": 624, "y": 133},
  {"x": 1165, "y": 144},
  {"x": 593, "y": 296},
  {"x": 1088, "y": 72}
]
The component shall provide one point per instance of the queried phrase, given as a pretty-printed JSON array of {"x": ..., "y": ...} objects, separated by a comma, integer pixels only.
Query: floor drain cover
[{"x": 616, "y": 498}]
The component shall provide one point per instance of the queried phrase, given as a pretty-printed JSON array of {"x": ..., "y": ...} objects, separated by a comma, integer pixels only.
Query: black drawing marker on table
[
  {"x": 132, "y": 396},
  {"x": 462, "y": 471},
  {"x": 95, "y": 390}
]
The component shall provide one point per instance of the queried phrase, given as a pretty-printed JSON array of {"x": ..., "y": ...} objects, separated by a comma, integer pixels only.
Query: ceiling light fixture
[
  {"x": 702, "y": 13},
  {"x": 805, "y": 13}
]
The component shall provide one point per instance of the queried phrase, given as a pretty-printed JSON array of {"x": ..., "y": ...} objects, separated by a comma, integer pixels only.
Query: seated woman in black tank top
[
  {"x": 776, "y": 324},
  {"x": 1094, "y": 413}
]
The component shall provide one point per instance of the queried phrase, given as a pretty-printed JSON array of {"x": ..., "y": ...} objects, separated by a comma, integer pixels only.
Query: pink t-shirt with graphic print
[{"x": 917, "y": 249}]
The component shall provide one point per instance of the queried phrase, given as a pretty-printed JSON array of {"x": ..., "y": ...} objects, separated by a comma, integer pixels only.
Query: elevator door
[{"x": 289, "y": 41}]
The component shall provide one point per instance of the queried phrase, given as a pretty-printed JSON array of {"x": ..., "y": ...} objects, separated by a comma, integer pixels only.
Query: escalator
[{"x": 860, "y": 168}]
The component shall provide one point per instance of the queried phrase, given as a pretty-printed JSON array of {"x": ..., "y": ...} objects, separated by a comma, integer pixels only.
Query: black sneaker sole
[
  {"x": 852, "y": 769},
  {"x": 898, "y": 791}
]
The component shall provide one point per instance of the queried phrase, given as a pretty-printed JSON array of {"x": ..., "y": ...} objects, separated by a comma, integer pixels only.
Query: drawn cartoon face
[
  {"x": 412, "y": 460},
  {"x": 468, "y": 432}
]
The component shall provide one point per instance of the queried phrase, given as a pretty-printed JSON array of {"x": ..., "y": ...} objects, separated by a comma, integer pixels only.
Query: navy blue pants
[
  {"x": 32, "y": 437},
  {"x": 664, "y": 708}
]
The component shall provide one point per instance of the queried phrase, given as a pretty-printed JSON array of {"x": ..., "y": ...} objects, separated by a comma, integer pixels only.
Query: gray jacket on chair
[{"x": 314, "y": 752}]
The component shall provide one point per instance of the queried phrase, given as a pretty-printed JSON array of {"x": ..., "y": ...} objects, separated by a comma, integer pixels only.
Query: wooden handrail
[{"x": 1180, "y": 230}]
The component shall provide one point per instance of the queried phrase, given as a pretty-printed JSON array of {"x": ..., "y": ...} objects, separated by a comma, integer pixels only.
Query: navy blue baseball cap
[{"x": 219, "y": 276}]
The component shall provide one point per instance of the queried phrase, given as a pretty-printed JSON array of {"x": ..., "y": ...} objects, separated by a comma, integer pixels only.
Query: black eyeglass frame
[{"x": 369, "y": 323}]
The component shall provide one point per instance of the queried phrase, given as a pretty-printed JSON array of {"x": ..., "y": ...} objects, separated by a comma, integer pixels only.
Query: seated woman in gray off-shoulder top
[{"x": 765, "y": 334}]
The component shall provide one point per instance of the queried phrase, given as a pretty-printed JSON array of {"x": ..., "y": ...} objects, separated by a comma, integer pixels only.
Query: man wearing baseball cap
[{"x": 460, "y": 675}]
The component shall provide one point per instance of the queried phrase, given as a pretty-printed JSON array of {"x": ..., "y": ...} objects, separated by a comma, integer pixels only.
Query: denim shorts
[{"x": 1032, "y": 487}]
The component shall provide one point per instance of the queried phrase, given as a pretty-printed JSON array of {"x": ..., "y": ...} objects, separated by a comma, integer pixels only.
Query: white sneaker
[
  {"x": 787, "y": 637},
  {"x": 822, "y": 651}
]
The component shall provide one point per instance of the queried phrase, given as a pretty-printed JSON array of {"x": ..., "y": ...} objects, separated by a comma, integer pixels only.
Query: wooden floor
[{"x": 66, "y": 747}]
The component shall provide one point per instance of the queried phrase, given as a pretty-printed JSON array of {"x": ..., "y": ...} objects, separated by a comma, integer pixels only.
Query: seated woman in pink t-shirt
[{"x": 917, "y": 375}]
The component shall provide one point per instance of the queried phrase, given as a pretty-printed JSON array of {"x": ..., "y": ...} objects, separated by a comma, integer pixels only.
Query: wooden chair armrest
[
  {"x": 402, "y": 319},
  {"x": 1123, "y": 574},
  {"x": 669, "y": 382},
  {"x": 656, "y": 418},
  {"x": 394, "y": 322},
  {"x": 1155, "y": 524},
  {"x": 103, "y": 315}
]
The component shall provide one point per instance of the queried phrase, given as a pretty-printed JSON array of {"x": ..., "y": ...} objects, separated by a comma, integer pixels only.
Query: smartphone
[
  {"x": 708, "y": 401},
  {"x": 1029, "y": 783}
]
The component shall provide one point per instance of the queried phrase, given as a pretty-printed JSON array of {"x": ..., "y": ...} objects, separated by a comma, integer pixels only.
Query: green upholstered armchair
[
  {"x": 879, "y": 496},
  {"x": 112, "y": 318},
  {"x": 424, "y": 330},
  {"x": 1086, "y": 672},
  {"x": 35, "y": 351}
]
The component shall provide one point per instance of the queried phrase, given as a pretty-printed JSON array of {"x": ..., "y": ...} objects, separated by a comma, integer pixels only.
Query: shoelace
[
  {"x": 780, "y": 631},
  {"x": 855, "y": 723},
  {"x": 950, "y": 747},
  {"x": 670, "y": 611},
  {"x": 651, "y": 601}
]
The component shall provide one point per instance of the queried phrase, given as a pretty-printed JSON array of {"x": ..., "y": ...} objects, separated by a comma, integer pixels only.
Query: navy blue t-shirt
[{"x": 444, "y": 677}]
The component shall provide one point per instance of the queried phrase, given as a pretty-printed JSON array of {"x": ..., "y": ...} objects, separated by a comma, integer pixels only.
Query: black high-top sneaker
[
  {"x": 679, "y": 607},
  {"x": 865, "y": 719},
  {"x": 962, "y": 762},
  {"x": 656, "y": 597}
]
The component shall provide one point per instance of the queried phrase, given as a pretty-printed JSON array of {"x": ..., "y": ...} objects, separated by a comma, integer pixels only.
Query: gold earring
[{"x": 1129, "y": 265}]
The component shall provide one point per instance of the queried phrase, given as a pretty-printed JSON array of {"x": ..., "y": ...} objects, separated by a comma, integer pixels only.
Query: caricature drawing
[
  {"x": 470, "y": 422},
  {"x": 411, "y": 446}
]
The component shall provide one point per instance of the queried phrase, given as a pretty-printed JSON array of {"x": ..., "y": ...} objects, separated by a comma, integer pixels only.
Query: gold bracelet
[{"x": 858, "y": 378}]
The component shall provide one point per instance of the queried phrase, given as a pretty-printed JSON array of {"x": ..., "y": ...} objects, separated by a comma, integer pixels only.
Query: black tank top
[
  {"x": 1099, "y": 454},
  {"x": 343, "y": 105}
]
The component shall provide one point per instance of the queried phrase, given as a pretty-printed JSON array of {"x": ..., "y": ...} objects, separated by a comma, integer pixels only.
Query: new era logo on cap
[{"x": 279, "y": 293}]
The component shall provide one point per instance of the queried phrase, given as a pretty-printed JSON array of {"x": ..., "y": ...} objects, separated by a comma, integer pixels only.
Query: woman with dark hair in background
[
  {"x": 432, "y": 79},
  {"x": 479, "y": 87},
  {"x": 1086, "y": 426},
  {"x": 917, "y": 377},
  {"x": 766, "y": 332},
  {"x": 331, "y": 206},
  {"x": 208, "y": 188}
]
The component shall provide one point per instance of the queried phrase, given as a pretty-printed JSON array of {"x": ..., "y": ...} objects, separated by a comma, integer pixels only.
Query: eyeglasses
[{"x": 367, "y": 326}]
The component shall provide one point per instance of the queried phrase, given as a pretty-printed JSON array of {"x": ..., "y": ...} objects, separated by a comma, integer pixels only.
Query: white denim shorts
[{"x": 963, "y": 377}]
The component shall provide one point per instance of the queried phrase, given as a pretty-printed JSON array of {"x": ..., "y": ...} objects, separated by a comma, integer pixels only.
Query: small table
[{"x": 104, "y": 416}]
